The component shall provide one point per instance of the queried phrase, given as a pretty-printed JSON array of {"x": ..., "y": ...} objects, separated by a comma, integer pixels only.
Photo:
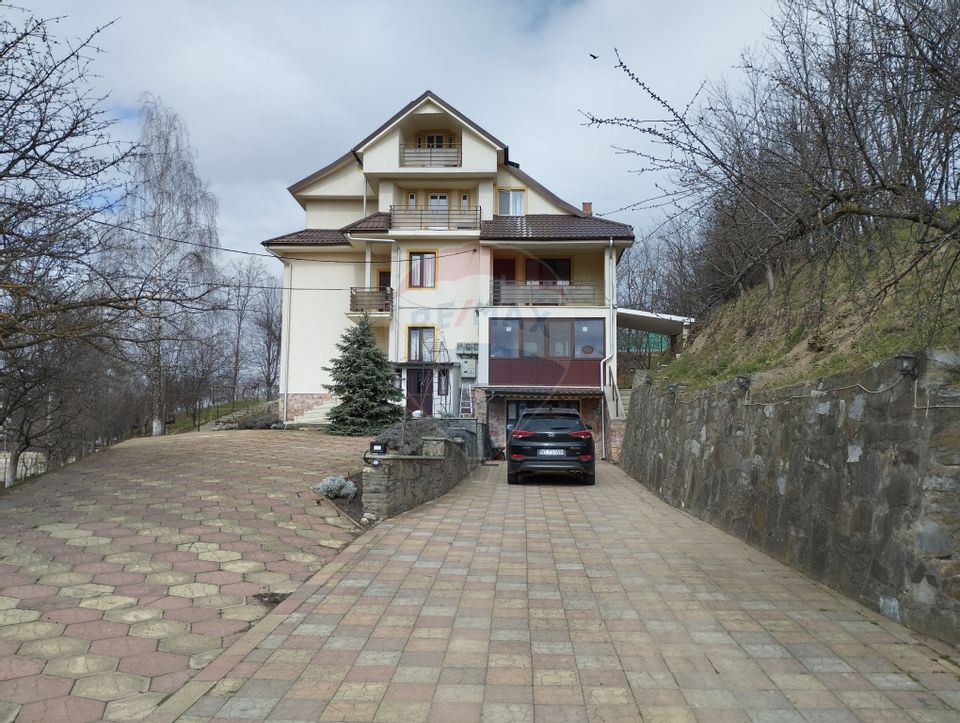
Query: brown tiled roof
[
  {"x": 548, "y": 227},
  {"x": 310, "y": 237},
  {"x": 374, "y": 222}
]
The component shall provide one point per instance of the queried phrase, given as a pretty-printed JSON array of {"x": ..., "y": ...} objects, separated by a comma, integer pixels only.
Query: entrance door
[
  {"x": 438, "y": 211},
  {"x": 420, "y": 390},
  {"x": 383, "y": 279}
]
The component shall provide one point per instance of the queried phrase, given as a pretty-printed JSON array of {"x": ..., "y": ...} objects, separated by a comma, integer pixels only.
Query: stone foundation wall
[
  {"x": 298, "y": 404},
  {"x": 402, "y": 482},
  {"x": 858, "y": 490}
]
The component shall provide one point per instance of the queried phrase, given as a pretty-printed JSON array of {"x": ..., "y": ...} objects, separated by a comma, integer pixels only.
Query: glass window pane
[
  {"x": 503, "y": 203},
  {"x": 516, "y": 203},
  {"x": 504, "y": 338},
  {"x": 560, "y": 338},
  {"x": 416, "y": 270},
  {"x": 426, "y": 344},
  {"x": 589, "y": 338},
  {"x": 534, "y": 338},
  {"x": 429, "y": 269}
]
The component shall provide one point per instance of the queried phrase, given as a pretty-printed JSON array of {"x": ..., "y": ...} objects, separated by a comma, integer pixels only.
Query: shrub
[{"x": 335, "y": 486}]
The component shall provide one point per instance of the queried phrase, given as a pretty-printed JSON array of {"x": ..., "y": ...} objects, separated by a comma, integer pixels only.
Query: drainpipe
[
  {"x": 288, "y": 275},
  {"x": 611, "y": 326}
]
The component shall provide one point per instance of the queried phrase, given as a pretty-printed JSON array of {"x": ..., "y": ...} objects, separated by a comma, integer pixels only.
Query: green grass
[
  {"x": 783, "y": 339},
  {"x": 184, "y": 422}
]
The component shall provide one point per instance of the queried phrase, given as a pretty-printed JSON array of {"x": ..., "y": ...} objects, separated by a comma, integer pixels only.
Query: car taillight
[
  {"x": 521, "y": 434},
  {"x": 582, "y": 434},
  {"x": 585, "y": 457},
  {"x": 516, "y": 457}
]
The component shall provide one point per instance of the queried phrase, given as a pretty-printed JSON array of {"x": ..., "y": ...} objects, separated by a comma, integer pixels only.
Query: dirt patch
[{"x": 352, "y": 508}]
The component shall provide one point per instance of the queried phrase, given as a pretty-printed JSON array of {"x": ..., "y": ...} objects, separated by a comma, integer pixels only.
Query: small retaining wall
[
  {"x": 860, "y": 491},
  {"x": 402, "y": 482}
]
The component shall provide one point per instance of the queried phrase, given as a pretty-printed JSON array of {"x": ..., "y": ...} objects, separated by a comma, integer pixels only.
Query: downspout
[
  {"x": 288, "y": 274},
  {"x": 611, "y": 326}
]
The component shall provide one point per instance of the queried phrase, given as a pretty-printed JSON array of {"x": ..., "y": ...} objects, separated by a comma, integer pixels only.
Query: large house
[{"x": 488, "y": 292}]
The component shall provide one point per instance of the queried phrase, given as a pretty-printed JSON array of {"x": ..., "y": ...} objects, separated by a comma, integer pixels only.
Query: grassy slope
[{"x": 781, "y": 340}]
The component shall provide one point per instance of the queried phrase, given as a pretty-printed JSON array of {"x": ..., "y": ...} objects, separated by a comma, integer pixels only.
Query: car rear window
[{"x": 551, "y": 424}]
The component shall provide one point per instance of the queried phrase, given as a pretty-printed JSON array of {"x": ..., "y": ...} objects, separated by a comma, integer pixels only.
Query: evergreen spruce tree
[{"x": 365, "y": 383}]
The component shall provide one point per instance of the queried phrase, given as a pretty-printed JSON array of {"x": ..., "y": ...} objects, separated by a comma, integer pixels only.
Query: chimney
[{"x": 587, "y": 208}]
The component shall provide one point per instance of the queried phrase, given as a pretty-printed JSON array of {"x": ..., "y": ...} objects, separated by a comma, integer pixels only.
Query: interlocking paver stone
[
  {"x": 91, "y": 558},
  {"x": 550, "y": 601}
]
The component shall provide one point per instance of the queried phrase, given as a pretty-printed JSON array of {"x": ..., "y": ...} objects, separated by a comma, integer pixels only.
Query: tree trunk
[
  {"x": 13, "y": 462},
  {"x": 771, "y": 278}
]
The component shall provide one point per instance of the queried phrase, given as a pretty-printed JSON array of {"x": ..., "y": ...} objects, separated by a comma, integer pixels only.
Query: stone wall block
[{"x": 861, "y": 491}]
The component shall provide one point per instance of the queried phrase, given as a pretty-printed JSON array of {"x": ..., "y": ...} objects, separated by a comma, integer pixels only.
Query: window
[
  {"x": 546, "y": 339},
  {"x": 534, "y": 338},
  {"x": 411, "y": 199},
  {"x": 547, "y": 272},
  {"x": 420, "y": 343},
  {"x": 504, "y": 338},
  {"x": 423, "y": 269},
  {"x": 434, "y": 140},
  {"x": 589, "y": 338},
  {"x": 464, "y": 200},
  {"x": 510, "y": 202},
  {"x": 443, "y": 382},
  {"x": 559, "y": 338}
]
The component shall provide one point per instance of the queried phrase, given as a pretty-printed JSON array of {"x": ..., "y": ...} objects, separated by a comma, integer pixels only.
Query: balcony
[
  {"x": 435, "y": 219},
  {"x": 415, "y": 155},
  {"x": 546, "y": 293},
  {"x": 376, "y": 302}
]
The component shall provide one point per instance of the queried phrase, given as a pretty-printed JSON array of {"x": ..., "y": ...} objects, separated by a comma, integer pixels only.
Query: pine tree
[{"x": 365, "y": 383}]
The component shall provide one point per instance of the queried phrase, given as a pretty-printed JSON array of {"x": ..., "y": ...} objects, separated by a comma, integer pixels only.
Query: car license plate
[{"x": 550, "y": 452}]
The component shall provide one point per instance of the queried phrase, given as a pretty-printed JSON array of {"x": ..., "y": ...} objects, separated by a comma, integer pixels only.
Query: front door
[
  {"x": 420, "y": 391},
  {"x": 504, "y": 279},
  {"x": 383, "y": 279}
]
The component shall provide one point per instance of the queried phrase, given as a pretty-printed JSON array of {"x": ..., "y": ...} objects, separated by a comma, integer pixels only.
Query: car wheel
[
  {"x": 589, "y": 479},
  {"x": 512, "y": 478}
]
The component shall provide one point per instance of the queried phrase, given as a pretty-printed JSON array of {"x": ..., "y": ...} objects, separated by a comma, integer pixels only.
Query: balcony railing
[
  {"x": 412, "y": 154},
  {"x": 442, "y": 219},
  {"x": 543, "y": 293},
  {"x": 371, "y": 299}
]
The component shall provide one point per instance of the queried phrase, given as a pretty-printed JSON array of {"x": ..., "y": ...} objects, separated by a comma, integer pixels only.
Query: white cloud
[{"x": 273, "y": 91}]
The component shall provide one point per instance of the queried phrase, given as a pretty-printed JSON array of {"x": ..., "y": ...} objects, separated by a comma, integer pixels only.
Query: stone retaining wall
[
  {"x": 858, "y": 490},
  {"x": 402, "y": 482}
]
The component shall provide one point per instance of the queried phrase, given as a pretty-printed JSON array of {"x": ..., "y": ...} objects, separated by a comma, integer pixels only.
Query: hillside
[{"x": 785, "y": 338}]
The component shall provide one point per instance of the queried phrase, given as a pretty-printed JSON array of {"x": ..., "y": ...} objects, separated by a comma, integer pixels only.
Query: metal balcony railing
[
  {"x": 434, "y": 218},
  {"x": 544, "y": 293},
  {"x": 371, "y": 299},
  {"x": 446, "y": 156}
]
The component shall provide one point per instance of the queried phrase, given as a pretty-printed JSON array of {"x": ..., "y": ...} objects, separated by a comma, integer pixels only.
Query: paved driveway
[
  {"x": 556, "y": 602},
  {"x": 122, "y": 575}
]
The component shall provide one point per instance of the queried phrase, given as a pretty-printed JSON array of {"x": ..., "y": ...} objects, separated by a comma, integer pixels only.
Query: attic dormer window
[{"x": 511, "y": 202}]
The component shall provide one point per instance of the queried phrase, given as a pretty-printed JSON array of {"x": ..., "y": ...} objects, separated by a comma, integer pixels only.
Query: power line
[{"x": 258, "y": 254}]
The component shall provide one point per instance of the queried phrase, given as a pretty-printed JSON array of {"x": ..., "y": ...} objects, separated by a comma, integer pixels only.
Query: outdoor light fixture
[
  {"x": 907, "y": 363},
  {"x": 648, "y": 380},
  {"x": 673, "y": 389},
  {"x": 743, "y": 381},
  {"x": 378, "y": 447}
]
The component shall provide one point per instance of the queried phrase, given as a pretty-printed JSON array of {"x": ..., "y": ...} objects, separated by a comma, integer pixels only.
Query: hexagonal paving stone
[
  {"x": 198, "y": 547},
  {"x": 99, "y": 630},
  {"x": 108, "y": 602},
  {"x": 13, "y": 666},
  {"x": 266, "y": 578},
  {"x": 134, "y": 707},
  {"x": 171, "y": 577},
  {"x": 125, "y": 558},
  {"x": 89, "y": 541},
  {"x": 51, "y": 648},
  {"x": 8, "y": 602},
  {"x": 194, "y": 589},
  {"x": 242, "y": 566},
  {"x": 219, "y": 601},
  {"x": 132, "y": 615},
  {"x": 8, "y": 712},
  {"x": 159, "y": 629},
  {"x": 81, "y": 666},
  {"x": 188, "y": 644},
  {"x": 111, "y": 686},
  {"x": 31, "y": 631},
  {"x": 154, "y": 664},
  {"x": 69, "y": 533},
  {"x": 11, "y": 617},
  {"x": 90, "y": 589},
  {"x": 247, "y": 613},
  {"x": 33, "y": 688},
  {"x": 147, "y": 567},
  {"x": 63, "y": 579}
]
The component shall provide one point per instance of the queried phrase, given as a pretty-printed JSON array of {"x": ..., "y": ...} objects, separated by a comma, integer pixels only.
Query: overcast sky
[{"x": 272, "y": 91}]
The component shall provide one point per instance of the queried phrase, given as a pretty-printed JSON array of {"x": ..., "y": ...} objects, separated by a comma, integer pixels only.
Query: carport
[{"x": 675, "y": 327}]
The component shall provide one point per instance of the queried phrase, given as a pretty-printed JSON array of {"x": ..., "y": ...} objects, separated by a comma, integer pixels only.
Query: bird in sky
[{"x": 594, "y": 56}]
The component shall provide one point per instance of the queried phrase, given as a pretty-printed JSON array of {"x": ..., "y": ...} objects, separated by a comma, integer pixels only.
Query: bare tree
[
  {"x": 265, "y": 337},
  {"x": 242, "y": 286},
  {"x": 170, "y": 240}
]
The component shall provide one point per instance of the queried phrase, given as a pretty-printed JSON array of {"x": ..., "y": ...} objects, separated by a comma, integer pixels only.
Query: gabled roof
[
  {"x": 430, "y": 95},
  {"x": 332, "y": 236},
  {"x": 310, "y": 237},
  {"x": 533, "y": 183},
  {"x": 553, "y": 227},
  {"x": 354, "y": 152}
]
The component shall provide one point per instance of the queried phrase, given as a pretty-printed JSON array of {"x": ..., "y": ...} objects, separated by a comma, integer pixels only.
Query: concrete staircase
[{"x": 625, "y": 402}]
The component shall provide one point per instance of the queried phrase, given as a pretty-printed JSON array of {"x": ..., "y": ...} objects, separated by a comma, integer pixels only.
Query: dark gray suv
[{"x": 550, "y": 441}]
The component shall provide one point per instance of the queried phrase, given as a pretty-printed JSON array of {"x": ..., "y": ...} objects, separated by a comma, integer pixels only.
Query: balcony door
[
  {"x": 420, "y": 390},
  {"x": 438, "y": 206},
  {"x": 504, "y": 280}
]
